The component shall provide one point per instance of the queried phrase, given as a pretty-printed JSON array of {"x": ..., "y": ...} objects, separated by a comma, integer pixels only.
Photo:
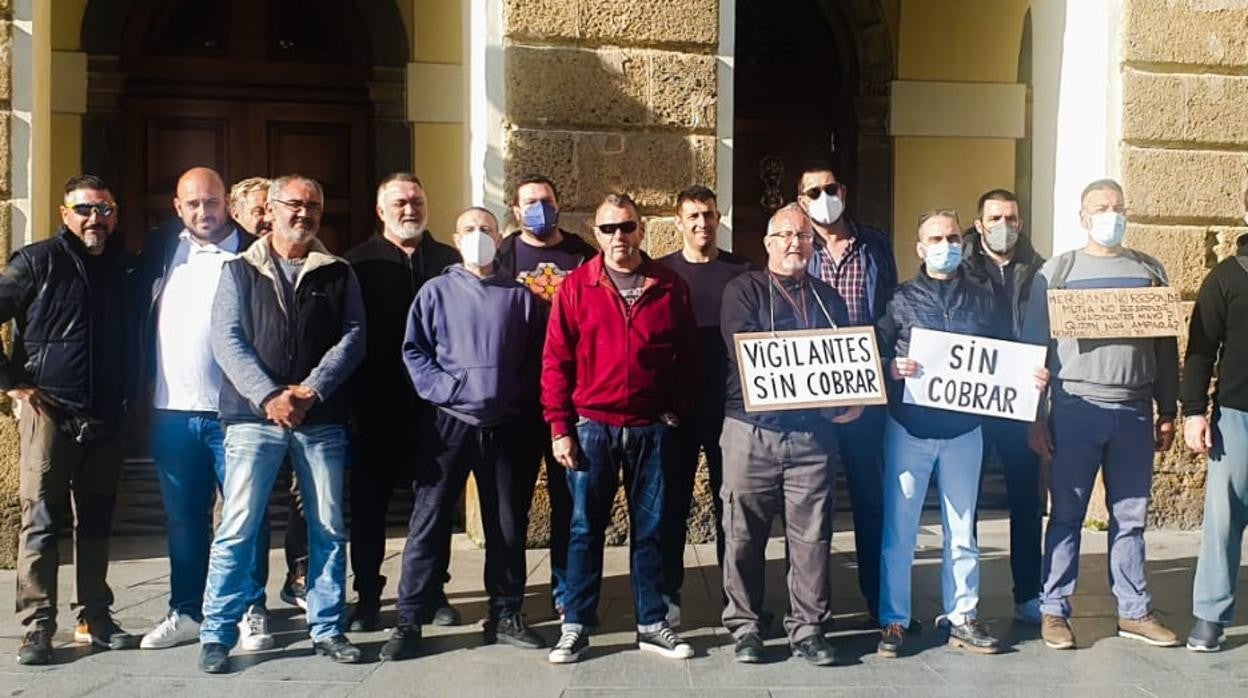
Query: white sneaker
[
  {"x": 254, "y": 630},
  {"x": 1028, "y": 612},
  {"x": 673, "y": 615},
  {"x": 174, "y": 630}
]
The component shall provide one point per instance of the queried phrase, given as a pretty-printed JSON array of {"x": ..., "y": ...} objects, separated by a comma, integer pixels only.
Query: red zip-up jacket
[{"x": 614, "y": 364}]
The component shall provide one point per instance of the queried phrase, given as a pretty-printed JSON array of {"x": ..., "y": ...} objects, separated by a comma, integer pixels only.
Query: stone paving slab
[{"x": 455, "y": 663}]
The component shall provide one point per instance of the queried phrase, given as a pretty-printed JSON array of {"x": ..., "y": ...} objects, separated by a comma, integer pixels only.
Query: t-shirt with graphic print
[{"x": 543, "y": 269}]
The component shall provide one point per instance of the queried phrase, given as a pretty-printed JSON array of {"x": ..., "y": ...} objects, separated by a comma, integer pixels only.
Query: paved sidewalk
[{"x": 456, "y": 665}]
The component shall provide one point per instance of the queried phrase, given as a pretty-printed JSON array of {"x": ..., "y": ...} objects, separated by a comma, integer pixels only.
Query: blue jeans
[
  {"x": 1117, "y": 439},
  {"x": 190, "y": 463},
  {"x": 253, "y": 456},
  {"x": 604, "y": 449},
  {"x": 908, "y": 466},
  {"x": 1226, "y": 515}
]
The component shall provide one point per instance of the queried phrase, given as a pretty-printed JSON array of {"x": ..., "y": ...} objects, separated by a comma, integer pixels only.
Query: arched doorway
[
  {"x": 810, "y": 82},
  {"x": 248, "y": 88}
]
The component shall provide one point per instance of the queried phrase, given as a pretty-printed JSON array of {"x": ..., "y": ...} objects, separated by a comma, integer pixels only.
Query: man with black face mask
[{"x": 998, "y": 253}]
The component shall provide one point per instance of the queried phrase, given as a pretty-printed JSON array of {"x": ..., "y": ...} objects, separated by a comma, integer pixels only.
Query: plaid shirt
[{"x": 848, "y": 276}]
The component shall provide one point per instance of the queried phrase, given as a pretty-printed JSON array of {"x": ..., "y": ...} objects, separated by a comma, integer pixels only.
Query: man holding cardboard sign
[
  {"x": 1101, "y": 417},
  {"x": 921, "y": 440},
  {"x": 774, "y": 439}
]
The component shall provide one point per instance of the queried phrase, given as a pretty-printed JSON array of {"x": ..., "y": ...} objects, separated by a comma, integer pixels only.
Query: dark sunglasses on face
[
  {"x": 609, "y": 229},
  {"x": 832, "y": 189},
  {"x": 85, "y": 210}
]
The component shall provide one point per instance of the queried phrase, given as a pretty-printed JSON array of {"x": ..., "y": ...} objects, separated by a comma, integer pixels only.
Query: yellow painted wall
[
  {"x": 952, "y": 41},
  {"x": 66, "y": 159},
  {"x": 437, "y": 32},
  {"x": 437, "y": 158},
  {"x": 67, "y": 24}
]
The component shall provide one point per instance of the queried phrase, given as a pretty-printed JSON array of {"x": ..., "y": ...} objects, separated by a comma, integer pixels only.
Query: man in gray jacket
[
  {"x": 287, "y": 331},
  {"x": 473, "y": 350},
  {"x": 1101, "y": 417}
]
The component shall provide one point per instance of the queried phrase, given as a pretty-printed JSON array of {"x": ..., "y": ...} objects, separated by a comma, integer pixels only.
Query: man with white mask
[
  {"x": 473, "y": 351},
  {"x": 392, "y": 266},
  {"x": 1105, "y": 393},
  {"x": 998, "y": 253},
  {"x": 856, "y": 260}
]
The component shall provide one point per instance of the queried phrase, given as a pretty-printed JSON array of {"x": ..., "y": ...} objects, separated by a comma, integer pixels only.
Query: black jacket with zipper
[
  {"x": 1219, "y": 335},
  {"x": 1019, "y": 273}
]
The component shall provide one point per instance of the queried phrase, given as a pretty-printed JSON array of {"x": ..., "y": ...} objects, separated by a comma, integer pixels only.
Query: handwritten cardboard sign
[
  {"x": 964, "y": 373},
  {"x": 1115, "y": 313},
  {"x": 806, "y": 369}
]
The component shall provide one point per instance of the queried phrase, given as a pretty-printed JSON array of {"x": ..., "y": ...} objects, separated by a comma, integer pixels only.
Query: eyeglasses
[
  {"x": 788, "y": 235},
  {"x": 102, "y": 209},
  {"x": 311, "y": 207},
  {"x": 610, "y": 229},
  {"x": 830, "y": 189}
]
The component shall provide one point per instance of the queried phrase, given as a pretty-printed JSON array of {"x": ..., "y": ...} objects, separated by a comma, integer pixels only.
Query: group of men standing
[{"x": 419, "y": 361}]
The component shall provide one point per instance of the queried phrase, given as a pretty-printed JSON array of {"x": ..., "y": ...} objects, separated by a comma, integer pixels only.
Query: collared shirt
[
  {"x": 187, "y": 376},
  {"x": 848, "y": 276}
]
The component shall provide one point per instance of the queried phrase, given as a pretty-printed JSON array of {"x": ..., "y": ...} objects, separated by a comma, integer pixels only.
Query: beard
[
  {"x": 406, "y": 231},
  {"x": 793, "y": 263},
  {"x": 295, "y": 236}
]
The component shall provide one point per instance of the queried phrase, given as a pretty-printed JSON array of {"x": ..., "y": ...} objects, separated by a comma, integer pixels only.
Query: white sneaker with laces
[
  {"x": 1028, "y": 612},
  {"x": 176, "y": 629},
  {"x": 571, "y": 646},
  {"x": 254, "y": 630}
]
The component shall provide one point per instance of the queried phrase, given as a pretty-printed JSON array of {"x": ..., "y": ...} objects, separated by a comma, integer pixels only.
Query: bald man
[{"x": 181, "y": 273}]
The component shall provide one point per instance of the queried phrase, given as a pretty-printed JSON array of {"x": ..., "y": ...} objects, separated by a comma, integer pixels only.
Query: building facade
[{"x": 919, "y": 103}]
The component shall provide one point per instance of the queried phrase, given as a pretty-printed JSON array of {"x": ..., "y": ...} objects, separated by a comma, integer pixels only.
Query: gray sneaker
[{"x": 1206, "y": 636}]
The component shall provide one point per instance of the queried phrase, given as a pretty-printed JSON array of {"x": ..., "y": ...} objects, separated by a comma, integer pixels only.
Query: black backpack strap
[
  {"x": 1065, "y": 262},
  {"x": 1154, "y": 274}
]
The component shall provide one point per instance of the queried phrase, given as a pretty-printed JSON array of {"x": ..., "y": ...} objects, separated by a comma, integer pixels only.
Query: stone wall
[
  {"x": 10, "y": 512},
  {"x": 1184, "y": 166},
  {"x": 613, "y": 96}
]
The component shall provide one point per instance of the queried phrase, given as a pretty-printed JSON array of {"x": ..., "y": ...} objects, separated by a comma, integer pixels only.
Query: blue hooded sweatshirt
[{"x": 473, "y": 346}]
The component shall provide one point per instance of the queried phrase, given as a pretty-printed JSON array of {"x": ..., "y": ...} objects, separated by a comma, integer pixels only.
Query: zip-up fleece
[
  {"x": 263, "y": 346},
  {"x": 622, "y": 366},
  {"x": 473, "y": 346}
]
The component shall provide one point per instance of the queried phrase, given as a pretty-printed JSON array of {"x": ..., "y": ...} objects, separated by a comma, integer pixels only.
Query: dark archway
[{"x": 811, "y": 82}]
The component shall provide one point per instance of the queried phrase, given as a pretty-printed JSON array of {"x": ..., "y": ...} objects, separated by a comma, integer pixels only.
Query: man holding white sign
[
  {"x": 775, "y": 456},
  {"x": 920, "y": 440},
  {"x": 1101, "y": 418}
]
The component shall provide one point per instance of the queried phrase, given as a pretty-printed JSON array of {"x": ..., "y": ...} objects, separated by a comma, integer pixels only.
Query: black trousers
[
  {"x": 700, "y": 432},
  {"x": 504, "y": 460},
  {"x": 385, "y": 455}
]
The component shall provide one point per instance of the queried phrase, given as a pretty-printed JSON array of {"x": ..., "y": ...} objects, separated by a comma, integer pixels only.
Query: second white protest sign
[{"x": 978, "y": 375}]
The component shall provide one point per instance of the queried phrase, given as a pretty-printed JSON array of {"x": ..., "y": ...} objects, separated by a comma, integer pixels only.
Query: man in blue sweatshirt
[{"x": 473, "y": 350}]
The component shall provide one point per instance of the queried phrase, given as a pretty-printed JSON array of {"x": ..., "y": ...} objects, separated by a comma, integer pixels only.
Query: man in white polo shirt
[{"x": 180, "y": 273}]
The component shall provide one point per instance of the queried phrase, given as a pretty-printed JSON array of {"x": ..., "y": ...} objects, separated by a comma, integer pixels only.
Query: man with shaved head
[
  {"x": 759, "y": 484},
  {"x": 180, "y": 275}
]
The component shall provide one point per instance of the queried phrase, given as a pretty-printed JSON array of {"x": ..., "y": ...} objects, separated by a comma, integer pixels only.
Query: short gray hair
[
  {"x": 281, "y": 182},
  {"x": 790, "y": 209}
]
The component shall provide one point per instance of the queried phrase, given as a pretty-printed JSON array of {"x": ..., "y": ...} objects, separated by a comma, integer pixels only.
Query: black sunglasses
[
  {"x": 84, "y": 210},
  {"x": 610, "y": 229},
  {"x": 830, "y": 189}
]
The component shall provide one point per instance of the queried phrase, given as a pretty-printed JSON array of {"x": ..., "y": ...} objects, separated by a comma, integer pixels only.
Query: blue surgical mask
[
  {"x": 943, "y": 258},
  {"x": 540, "y": 218},
  {"x": 1108, "y": 228}
]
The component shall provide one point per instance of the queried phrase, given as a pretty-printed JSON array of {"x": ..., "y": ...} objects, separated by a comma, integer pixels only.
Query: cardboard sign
[
  {"x": 964, "y": 373},
  {"x": 1115, "y": 313},
  {"x": 809, "y": 369}
]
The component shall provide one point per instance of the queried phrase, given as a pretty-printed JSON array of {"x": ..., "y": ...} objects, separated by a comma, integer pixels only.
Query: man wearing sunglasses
[
  {"x": 619, "y": 370},
  {"x": 856, "y": 260},
  {"x": 70, "y": 373}
]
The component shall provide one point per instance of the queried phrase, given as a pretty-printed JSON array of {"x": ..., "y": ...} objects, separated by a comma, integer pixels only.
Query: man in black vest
[
  {"x": 70, "y": 374},
  {"x": 287, "y": 331}
]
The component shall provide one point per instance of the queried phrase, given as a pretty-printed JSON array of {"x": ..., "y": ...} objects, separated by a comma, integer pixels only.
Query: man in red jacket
[{"x": 618, "y": 370}]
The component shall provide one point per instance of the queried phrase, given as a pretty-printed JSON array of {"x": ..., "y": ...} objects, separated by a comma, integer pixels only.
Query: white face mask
[
  {"x": 1108, "y": 228},
  {"x": 477, "y": 248},
  {"x": 826, "y": 210}
]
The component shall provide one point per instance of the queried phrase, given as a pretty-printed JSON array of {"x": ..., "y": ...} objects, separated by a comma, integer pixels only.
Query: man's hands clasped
[{"x": 290, "y": 407}]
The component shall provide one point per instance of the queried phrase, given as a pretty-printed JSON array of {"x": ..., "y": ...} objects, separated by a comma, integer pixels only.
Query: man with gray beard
[{"x": 392, "y": 266}]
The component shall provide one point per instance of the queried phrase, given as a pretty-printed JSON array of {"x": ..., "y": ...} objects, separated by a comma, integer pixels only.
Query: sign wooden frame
[{"x": 879, "y": 398}]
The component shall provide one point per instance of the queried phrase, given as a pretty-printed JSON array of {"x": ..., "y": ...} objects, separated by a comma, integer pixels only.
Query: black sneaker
[
  {"x": 571, "y": 646},
  {"x": 664, "y": 642},
  {"x": 446, "y": 615},
  {"x": 36, "y": 646},
  {"x": 1205, "y": 636},
  {"x": 365, "y": 617},
  {"x": 214, "y": 658},
  {"x": 815, "y": 650},
  {"x": 749, "y": 649},
  {"x": 339, "y": 649},
  {"x": 512, "y": 630},
  {"x": 295, "y": 590},
  {"x": 102, "y": 631},
  {"x": 891, "y": 640},
  {"x": 403, "y": 643},
  {"x": 974, "y": 636}
]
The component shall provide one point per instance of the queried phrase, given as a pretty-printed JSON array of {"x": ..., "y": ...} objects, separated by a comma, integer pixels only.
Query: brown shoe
[
  {"x": 1056, "y": 632},
  {"x": 1147, "y": 629}
]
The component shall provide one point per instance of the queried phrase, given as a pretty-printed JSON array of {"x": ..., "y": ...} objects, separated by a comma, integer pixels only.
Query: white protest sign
[
  {"x": 978, "y": 375},
  {"x": 805, "y": 369}
]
